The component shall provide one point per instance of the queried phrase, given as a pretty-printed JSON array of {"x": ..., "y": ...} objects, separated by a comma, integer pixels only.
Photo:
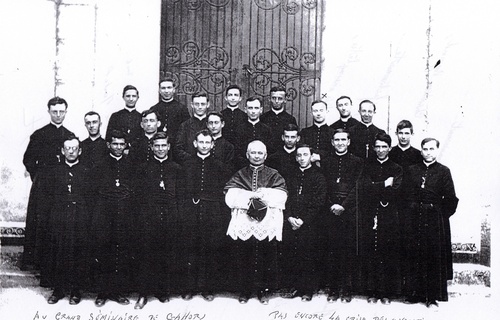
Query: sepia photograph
[{"x": 249, "y": 159}]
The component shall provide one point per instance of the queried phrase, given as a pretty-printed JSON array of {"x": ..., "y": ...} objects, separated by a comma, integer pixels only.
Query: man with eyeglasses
[{"x": 42, "y": 153}]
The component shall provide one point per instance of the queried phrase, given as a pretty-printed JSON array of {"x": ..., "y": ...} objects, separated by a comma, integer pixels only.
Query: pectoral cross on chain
[
  {"x": 375, "y": 221},
  {"x": 423, "y": 183},
  {"x": 69, "y": 188},
  {"x": 117, "y": 182},
  {"x": 162, "y": 185}
]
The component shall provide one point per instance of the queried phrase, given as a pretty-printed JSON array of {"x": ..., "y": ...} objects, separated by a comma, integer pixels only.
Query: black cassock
[
  {"x": 113, "y": 236},
  {"x": 64, "y": 263},
  {"x": 430, "y": 195},
  {"x": 158, "y": 186},
  {"x": 276, "y": 122},
  {"x": 283, "y": 161},
  {"x": 380, "y": 230},
  {"x": 205, "y": 219},
  {"x": 318, "y": 138},
  {"x": 42, "y": 153},
  {"x": 339, "y": 234},
  {"x": 171, "y": 114},
  {"x": 93, "y": 151},
  {"x": 126, "y": 121},
  {"x": 299, "y": 248},
  {"x": 362, "y": 140}
]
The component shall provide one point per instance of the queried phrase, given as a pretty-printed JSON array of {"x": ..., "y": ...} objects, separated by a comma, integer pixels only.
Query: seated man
[{"x": 256, "y": 237}]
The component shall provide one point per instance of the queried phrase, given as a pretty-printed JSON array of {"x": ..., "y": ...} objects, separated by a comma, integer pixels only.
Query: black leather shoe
[
  {"x": 100, "y": 300},
  {"x": 332, "y": 297},
  {"x": 75, "y": 297},
  {"x": 372, "y": 300},
  {"x": 431, "y": 304},
  {"x": 187, "y": 296},
  {"x": 163, "y": 298},
  {"x": 264, "y": 296},
  {"x": 306, "y": 297},
  {"x": 55, "y": 297},
  {"x": 141, "y": 302},
  {"x": 243, "y": 298},
  {"x": 208, "y": 296},
  {"x": 385, "y": 301},
  {"x": 119, "y": 299},
  {"x": 346, "y": 298}
]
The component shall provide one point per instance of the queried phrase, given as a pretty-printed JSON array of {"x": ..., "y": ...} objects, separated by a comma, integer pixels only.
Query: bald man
[{"x": 256, "y": 232}]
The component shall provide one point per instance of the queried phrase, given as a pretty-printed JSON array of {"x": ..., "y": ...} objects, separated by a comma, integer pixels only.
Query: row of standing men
[{"x": 339, "y": 233}]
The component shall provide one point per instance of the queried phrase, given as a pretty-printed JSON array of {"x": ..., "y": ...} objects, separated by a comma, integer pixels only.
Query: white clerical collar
[
  {"x": 129, "y": 109},
  {"x": 429, "y": 163},
  {"x": 161, "y": 160},
  {"x": 95, "y": 138},
  {"x": 254, "y": 167},
  {"x": 382, "y": 161},
  {"x": 345, "y": 119},
  {"x": 304, "y": 169},
  {"x": 404, "y": 148},
  {"x": 289, "y": 150},
  {"x": 57, "y": 125},
  {"x": 341, "y": 154},
  {"x": 203, "y": 156},
  {"x": 198, "y": 117},
  {"x": 232, "y": 108},
  {"x": 113, "y": 156},
  {"x": 276, "y": 112},
  {"x": 254, "y": 122},
  {"x": 70, "y": 164},
  {"x": 167, "y": 100},
  {"x": 367, "y": 124},
  {"x": 150, "y": 135},
  {"x": 219, "y": 135},
  {"x": 319, "y": 125}
]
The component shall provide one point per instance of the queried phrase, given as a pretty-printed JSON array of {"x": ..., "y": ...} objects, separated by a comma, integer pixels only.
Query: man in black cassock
[
  {"x": 251, "y": 129},
  {"x": 170, "y": 111},
  {"x": 364, "y": 132},
  {"x": 233, "y": 115},
  {"x": 42, "y": 153},
  {"x": 114, "y": 218},
  {"x": 128, "y": 119},
  {"x": 140, "y": 147},
  {"x": 64, "y": 263},
  {"x": 339, "y": 242},
  {"x": 306, "y": 200},
  {"x": 318, "y": 135},
  {"x": 205, "y": 221},
  {"x": 379, "y": 224},
  {"x": 256, "y": 196},
  {"x": 158, "y": 183},
  {"x": 223, "y": 150},
  {"x": 430, "y": 194},
  {"x": 283, "y": 159},
  {"x": 183, "y": 147},
  {"x": 346, "y": 121},
  {"x": 94, "y": 147},
  {"x": 277, "y": 117}
]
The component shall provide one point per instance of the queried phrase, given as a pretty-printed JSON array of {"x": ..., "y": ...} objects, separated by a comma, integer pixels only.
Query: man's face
[
  {"x": 319, "y": 112},
  {"x": 57, "y": 113},
  {"x": 253, "y": 109},
  {"x": 203, "y": 144},
  {"x": 71, "y": 150},
  {"x": 344, "y": 108},
  {"x": 366, "y": 111},
  {"x": 233, "y": 97},
  {"x": 257, "y": 154},
  {"x": 278, "y": 100},
  {"x": 429, "y": 151},
  {"x": 290, "y": 138},
  {"x": 381, "y": 149},
  {"x": 150, "y": 123},
  {"x": 116, "y": 146},
  {"x": 167, "y": 90},
  {"x": 130, "y": 97},
  {"x": 200, "y": 106},
  {"x": 93, "y": 124},
  {"x": 340, "y": 142},
  {"x": 160, "y": 148},
  {"x": 404, "y": 136},
  {"x": 214, "y": 124},
  {"x": 303, "y": 157}
]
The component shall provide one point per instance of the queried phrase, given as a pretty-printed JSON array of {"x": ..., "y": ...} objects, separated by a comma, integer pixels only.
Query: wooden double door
[{"x": 207, "y": 45}]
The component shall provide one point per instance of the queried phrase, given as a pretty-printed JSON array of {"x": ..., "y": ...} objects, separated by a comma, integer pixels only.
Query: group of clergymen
[{"x": 236, "y": 202}]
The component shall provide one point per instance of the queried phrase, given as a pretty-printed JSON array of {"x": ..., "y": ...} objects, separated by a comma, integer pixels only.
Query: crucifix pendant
[
  {"x": 423, "y": 183},
  {"x": 162, "y": 185},
  {"x": 338, "y": 180},
  {"x": 117, "y": 182},
  {"x": 69, "y": 188},
  {"x": 375, "y": 221},
  {"x": 300, "y": 190}
]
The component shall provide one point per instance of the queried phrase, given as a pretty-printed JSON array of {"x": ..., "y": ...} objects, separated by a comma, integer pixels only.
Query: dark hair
[
  {"x": 340, "y": 130},
  {"x": 319, "y": 101},
  {"x": 290, "y": 127},
  {"x": 404, "y": 124},
  {"x": 203, "y": 132},
  {"x": 277, "y": 89},
  {"x": 215, "y": 113},
  {"x": 57, "y": 100},
  {"x": 117, "y": 134},
  {"x": 167, "y": 80},
  {"x": 129, "y": 87},
  {"x": 429, "y": 140},
  {"x": 342, "y": 97},
  {"x": 384, "y": 137},
  {"x": 254, "y": 98},
  {"x": 234, "y": 86},
  {"x": 69, "y": 138},
  {"x": 199, "y": 95},
  {"x": 368, "y": 101},
  {"x": 158, "y": 136},
  {"x": 145, "y": 113},
  {"x": 92, "y": 113},
  {"x": 302, "y": 145}
]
